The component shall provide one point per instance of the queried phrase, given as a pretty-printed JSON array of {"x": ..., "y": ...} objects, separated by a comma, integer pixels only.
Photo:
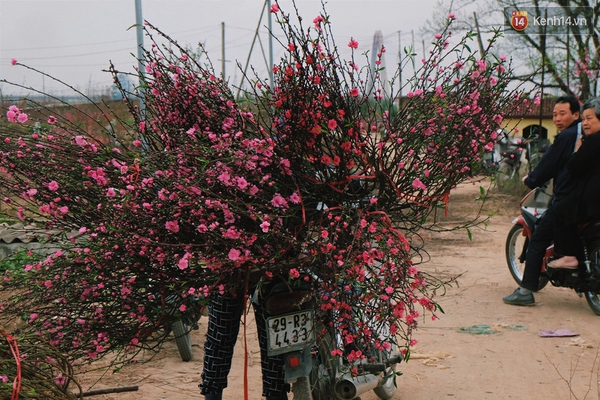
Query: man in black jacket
[{"x": 566, "y": 117}]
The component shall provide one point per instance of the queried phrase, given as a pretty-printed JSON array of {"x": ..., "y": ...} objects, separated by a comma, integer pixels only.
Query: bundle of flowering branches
[
  {"x": 30, "y": 369},
  {"x": 377, "y": 168},
  {"x": 342, "y": 123},
  {"x": 317, "y": 177},
  {"x": 192, "y": 200}
]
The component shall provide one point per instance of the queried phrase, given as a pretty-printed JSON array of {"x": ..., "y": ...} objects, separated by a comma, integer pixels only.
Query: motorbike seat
[{"x": 590, "y": 228}]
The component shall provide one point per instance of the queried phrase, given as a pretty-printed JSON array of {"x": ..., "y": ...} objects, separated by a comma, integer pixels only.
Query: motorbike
[
  {"x": 510, "y": 155},
  {"x": 180, "y": 326},
  {"x": 585, "y": 280},
  {"x": 307, "y": 344},
  {"x": 493, "y": 157}
]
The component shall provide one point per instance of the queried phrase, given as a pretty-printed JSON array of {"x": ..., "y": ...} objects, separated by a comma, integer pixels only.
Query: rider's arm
[{"x": 553, "y": 161}]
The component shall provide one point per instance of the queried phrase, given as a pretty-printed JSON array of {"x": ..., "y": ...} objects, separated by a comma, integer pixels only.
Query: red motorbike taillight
[{"x": 294, "y": 362}]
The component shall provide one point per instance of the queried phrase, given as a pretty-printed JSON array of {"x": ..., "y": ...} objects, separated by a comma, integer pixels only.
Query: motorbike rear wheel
[
  {"x": 181, "y": 332},
  {"x": 593, "y": 301},
  {"x": 515, "y": 247},
  {"x": 324, "y": 369},
  {"x": 507, "y": 176},
  {"x": 301, "y": 389},
  {"x": 593, "y": 298}
]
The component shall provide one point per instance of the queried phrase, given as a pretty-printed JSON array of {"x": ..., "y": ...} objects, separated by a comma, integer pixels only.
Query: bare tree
[{"x": 562, "y": 55}]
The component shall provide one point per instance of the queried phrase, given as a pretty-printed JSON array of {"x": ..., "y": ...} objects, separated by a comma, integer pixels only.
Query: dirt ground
[{"x": 479, "y": 349}]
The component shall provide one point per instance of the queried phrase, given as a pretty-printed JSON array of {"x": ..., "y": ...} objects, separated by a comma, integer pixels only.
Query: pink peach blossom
[
  {"x": 172, "y": 226},
  {"x": 417, "y": 184},
  {"x": 53, "y": 186},
  {"x": 234, "y": 254}
]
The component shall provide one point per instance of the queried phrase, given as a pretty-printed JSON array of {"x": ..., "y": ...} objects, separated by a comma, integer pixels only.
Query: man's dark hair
[{"x": 573, "y": 103}]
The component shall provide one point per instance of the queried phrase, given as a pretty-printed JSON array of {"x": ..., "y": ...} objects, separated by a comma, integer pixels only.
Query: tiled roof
[
  {"x": 24, "y": 233},
  {"x": 528, "y": 109}
]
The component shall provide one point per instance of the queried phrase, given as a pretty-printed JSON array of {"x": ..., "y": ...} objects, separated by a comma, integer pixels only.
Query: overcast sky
[{"x": 74, "y": 40}]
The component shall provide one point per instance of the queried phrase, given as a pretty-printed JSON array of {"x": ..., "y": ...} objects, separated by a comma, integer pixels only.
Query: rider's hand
[{"x": 578, "y": 143}]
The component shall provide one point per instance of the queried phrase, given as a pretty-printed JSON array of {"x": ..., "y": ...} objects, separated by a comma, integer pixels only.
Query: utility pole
[
  {"x": 400, "y": 64},
  {"x": 479, "y": 41},
  {"x": 223, "y": 76},
  {"x": 139, "y": 28},
  {"x": 568, "y": 57},
  {"x": 543, "y": 45},
  {"x": 413, "y": 50},
  {"x": 252, "y": 47},
  {"x": 270, "y": 24}
]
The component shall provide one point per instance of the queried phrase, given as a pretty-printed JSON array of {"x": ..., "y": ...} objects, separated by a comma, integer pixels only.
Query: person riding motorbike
[
  {"x": 566, "y": 118},
  {"x": 582, "y": 203}
]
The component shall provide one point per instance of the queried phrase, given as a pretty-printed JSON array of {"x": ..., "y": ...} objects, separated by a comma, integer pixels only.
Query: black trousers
[
  {"x": 224, "y": 317},
  {"x": 536, "y": 249},
  {"x": 567, "y": 241}
]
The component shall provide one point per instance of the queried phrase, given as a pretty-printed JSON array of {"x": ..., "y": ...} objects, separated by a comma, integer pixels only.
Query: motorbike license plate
[{"x": 290, "y": 332}]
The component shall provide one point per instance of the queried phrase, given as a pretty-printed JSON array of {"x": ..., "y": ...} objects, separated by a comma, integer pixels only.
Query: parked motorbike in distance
[
  {"x": 307, "y": 345},
  {"x": 182, "y": 325},
  {"x": 512, "y": 157},
  {"x": 585, "y": 280},
  {"x": 493, "y": 158}
]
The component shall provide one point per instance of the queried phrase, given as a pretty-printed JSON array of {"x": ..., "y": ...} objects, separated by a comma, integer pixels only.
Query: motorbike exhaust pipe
[{"x": 350, "y": 387}]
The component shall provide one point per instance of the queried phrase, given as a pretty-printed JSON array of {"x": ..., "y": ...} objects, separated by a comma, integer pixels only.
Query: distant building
[
  {"x": 532, "y": 118},
  {"x": 528, "y": 120},
  {"x": 127, "y": 85}
]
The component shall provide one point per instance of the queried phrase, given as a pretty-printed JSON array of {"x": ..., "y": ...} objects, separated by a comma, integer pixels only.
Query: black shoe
[
  {"x": 217, "y": 396},
  {"x": 518, "y": 299}
]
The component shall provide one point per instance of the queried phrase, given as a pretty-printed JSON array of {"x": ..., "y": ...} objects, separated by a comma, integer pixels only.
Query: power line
[
  {"x": 104, "y": 65},
  {"x": 130, "y": 49},
  {"x": 195, "y": 32},
  {"x": 67, "y": 45}
]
